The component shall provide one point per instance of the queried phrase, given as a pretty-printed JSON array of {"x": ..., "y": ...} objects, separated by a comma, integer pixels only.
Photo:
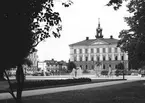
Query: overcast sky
[{"x": 79, "y": 21}]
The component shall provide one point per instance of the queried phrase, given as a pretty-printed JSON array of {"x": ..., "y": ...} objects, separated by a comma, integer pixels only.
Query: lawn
[{"x": 133, "y": 92}]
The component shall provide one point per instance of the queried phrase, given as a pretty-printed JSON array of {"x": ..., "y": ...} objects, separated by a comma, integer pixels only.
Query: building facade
[{"x": 88, "y": 52}]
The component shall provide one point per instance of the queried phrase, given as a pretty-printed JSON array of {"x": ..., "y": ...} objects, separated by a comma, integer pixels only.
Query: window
[
  {"x": 86, "y": 50},
  {"x": 122, "y": 57},
  {"x": 115, "y": 50},
  {"x": 80, "y": 51},
  {"x": 103, "y": 66},
  {"x": 109, "y": 58},
  {"x": 75, "y": 51},
  {"x": 92, "y": 66},
  {"x": 92, "y": 58},
  {"x": 86, "y": 58},
  {"x": 98, "y": 59},
  {"x": 110, "y": 50},
  {"x": 104, "y": 58},
  {"x": 103, "y": 50},
  {"x": 98, "y": 50},
  {"x": 116, "y": 58},
  {"x": 92, "y": 50},
  {"x": 80, "y": 58},
  {"x": 75, "y": 59},
  {"x": 86, "y": 67}
]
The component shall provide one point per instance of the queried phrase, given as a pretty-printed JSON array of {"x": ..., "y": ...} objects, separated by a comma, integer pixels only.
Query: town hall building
[{"x": 88, "y": 52}]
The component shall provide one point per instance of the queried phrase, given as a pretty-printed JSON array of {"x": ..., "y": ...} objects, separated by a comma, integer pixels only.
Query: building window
[
  {"x": 110, "y": 50},
  {"x": 81, "y": 66},
  {"x": 86, "y": 58},
  {"x": 92, "y": 58},
  {"x": 92, "y": 66},
  {"x": 98, "y": 59},
  {"x": 92, "y": 50},
  {"x": 103, "y": 66},
  {"x": 115, "y": 50},
  {"x": 104, "y": 58},
  {"x": 86, "y": 50},
  {"x": 109, "y": 58},
  {"x": 80, "y": 58},
  {"x": 86, "y": 67},
  {"x": 116, "y": 58},
  {"x": 122, "y": 57},
  {"x": 104, "y": 50},
  {"x": 75, "y": 51},
  {"x": 98, "y": 50},
  {"x": 80, "y": 51},
  {"x": 75, "y": 58}
]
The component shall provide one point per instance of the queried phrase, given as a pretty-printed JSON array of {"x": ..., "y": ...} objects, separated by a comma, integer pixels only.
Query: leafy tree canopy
[{"x": 133, "y": 39}]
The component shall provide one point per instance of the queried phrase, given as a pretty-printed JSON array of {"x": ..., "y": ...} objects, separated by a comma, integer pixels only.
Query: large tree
[
  {"x": 21, "y": 32},
  {"x": 133, "y": 39}
]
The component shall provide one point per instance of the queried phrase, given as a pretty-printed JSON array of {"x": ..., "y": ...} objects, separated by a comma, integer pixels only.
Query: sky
[{"x": 79, "y": 21}]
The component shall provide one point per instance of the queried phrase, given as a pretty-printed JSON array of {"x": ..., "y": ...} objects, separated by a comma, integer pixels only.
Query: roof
[{"x": 90, "y": 41}]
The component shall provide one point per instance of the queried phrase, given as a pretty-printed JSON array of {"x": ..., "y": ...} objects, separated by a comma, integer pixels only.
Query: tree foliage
[
  {"x": 22, "y": 31},
  {"x": 71, "y": 65},
  {"x": 133, "y": 39}
]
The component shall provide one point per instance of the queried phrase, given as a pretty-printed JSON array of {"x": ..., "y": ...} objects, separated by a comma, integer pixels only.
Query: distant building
[
  {"x": 53, "y": 65},
  {"x": 88, "y": 52}
]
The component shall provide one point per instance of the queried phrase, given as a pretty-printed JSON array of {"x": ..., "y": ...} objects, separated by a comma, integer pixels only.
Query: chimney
[
  {"x": 111, "y": 37},
  {"x": 87, "y": 38}
]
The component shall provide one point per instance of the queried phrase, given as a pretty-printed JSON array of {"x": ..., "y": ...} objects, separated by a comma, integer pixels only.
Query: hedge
[{"x": 42, "y": 83}]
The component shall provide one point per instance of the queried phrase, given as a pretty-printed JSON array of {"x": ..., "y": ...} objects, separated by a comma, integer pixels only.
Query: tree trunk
[{"x": 20, "y": 82}]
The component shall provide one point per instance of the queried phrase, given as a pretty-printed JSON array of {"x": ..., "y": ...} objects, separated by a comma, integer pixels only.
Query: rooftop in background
[{"x": 88, "y": 41}]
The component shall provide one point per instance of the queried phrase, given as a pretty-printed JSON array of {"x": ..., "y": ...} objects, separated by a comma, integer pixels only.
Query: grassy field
[{"x": 133, "y": 92}]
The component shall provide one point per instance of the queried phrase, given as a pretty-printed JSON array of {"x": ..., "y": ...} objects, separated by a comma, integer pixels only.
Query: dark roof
[{"x": 88, "y": 42}]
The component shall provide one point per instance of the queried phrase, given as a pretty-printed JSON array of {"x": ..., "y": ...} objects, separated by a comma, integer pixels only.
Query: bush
[
  {"x": 104, "y": 72},
  {"x": 42, "y": 83}
]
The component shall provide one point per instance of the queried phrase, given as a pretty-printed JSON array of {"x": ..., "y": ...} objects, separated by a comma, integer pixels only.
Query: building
[
  {"x": 88, "y": 52},
  {"x": 52, "y": 65}
]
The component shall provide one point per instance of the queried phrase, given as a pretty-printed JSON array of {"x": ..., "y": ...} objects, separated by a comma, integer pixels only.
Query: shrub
[{"x": 42, "y": 83}]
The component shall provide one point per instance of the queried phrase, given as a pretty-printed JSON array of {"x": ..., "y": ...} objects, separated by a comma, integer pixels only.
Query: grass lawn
[{"x": 133, "y": 92}]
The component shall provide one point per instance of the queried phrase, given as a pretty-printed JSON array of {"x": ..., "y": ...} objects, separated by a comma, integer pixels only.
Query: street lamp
[{"x": 123, "y": 66}]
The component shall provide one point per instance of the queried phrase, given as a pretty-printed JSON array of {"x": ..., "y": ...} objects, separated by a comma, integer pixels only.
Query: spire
[
  {"x": 98, "y": 22},
  {"x": 99, "y": 30}
]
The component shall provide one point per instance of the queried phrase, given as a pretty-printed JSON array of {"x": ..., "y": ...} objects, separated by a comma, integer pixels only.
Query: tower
[{"x": 99, "y": 30}]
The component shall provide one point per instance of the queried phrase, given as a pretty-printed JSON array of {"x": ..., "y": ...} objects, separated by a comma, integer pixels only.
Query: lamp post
[{"x": 123, "y": 67}]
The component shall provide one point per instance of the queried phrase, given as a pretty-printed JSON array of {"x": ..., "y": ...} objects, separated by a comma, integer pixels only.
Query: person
[
  {"x": 73, "y": 73},
  {"x": 109, "y": 72}
]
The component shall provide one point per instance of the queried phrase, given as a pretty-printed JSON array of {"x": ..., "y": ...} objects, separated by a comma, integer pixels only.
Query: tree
[
  {"x": 70, "y": 66},
  {"x": 133, "y": 39},
  {"x": 22, "y": 32}
]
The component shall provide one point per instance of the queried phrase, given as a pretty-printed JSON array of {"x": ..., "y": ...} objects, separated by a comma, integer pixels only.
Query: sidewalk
[{"x": 61, "y": 89}]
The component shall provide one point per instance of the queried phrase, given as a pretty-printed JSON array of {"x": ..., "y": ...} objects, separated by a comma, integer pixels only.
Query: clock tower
[{"x": 99, "y": 30}]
